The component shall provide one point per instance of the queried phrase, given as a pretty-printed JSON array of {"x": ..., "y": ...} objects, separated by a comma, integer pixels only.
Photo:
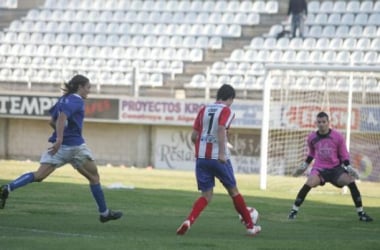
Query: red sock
[
  {"x": 198, "y": 207},
  {"x": 241, "y": 208}
]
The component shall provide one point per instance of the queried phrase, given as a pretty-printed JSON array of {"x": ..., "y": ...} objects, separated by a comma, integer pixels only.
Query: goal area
[{"x": 292, "y": 97}]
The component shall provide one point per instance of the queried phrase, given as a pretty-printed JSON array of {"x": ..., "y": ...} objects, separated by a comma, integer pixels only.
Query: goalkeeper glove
[
  {"x": 300, "y": 169},
  {"x": 351, "y": 171}
]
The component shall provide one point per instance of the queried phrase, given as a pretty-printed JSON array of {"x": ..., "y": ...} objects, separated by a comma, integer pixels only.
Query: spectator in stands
[
  {"x": 297, "y": 11},
  {"x": 68, "y": 146},
  {"x": 327, "y": 146},
  {"x": 213, "y": 159}
]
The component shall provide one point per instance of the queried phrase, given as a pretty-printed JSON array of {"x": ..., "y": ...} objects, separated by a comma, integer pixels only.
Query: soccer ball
[{"x": 254, "y": 215}]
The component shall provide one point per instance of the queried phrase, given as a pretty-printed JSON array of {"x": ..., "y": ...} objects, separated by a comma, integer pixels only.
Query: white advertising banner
[{"x": 174, "y": 150}]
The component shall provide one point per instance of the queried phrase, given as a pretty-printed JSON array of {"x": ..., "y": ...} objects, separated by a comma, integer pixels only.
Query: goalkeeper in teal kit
[
  {"x": 68, "y": 146},
  {"x": 328, "y": 149}
]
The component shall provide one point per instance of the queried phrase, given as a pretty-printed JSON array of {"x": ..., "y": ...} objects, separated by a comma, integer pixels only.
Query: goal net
[{"x": 292, "y": 97}]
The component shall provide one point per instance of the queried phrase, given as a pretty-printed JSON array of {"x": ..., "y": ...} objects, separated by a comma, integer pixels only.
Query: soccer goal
[{"x": 292, "y": 97}]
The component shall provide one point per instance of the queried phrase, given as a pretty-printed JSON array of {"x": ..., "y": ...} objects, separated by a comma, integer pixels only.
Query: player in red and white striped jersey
[{"x": 213, "y": 158}]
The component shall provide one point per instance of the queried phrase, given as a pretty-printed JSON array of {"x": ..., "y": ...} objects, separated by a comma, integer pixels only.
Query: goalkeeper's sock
[
  {"x": 241, "y": 208},
  {"x": 301, "y": 195},
  {"x": 198, "y": 207},
  {"x": 98, "y": 195},
  {"x": 355, "y": 194},
  {"x": 21, "y": 181}
]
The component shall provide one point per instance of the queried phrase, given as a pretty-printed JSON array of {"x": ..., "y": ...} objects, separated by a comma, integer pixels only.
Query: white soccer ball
[{"x": 254, "y": 215}]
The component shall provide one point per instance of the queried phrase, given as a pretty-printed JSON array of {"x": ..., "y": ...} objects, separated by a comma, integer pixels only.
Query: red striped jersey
[{"x": 206, "y": 123}]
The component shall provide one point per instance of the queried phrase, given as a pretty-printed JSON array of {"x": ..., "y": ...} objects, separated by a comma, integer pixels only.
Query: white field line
[{"x": 62, "y": 234}]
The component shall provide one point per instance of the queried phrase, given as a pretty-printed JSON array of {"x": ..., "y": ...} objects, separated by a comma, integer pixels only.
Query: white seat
[
  {"x": 349, "y": 44},
  {"x": 371, "y": 57},
  {"x": 309, "y": 43},
  {"x": 375, "y": 44},
  {"x": 48, "y": 38},
  {"x": 237, "y": 55},
  {"x": 182, "y": 5},
  {"x": 196, "y": 55},
  {"x": 374, "y": 19},
  {"x": 274, "y": 30},
  {"x": 361, "y": 19},
  {"x": 296, "y": 43},
  {"x": 233, "y": 6},
  {"x": 353, "y": 6},
  {"x": 320, "y": 19},
  {"x": 215, "y": 42},
  {"x": 339, "y": 7},
  {"x": 366, "y": 6},
  {"x": 326, "y": 6},
  {"x": 313, "y": 7},
  {"x": 16, "y": 49},
  {"x": 74, "y": 39},
  {"x": 202, "y": 18},
  {"x": 228, "y": 18},
  {"x": 118, "y": 16},
  {"x": 289, "y": 56},
  {"x": 30, "y": 50},
  {"x": 262, "y": 56},
  {"x": 221, "y": 6},
  {"x": 347, "y": 19},
  {"x": 100, "y": 27},
  {"x": 271, "y": 7},
  {"x": 257, "y": 42},
  {"x": 125, "y": 40},
  {"x": 112, "y": 28},
  {"x": 376, "y": 7},
  {"x": 245, "y": 6},
  {"x": 259, "y": 6},
  {"x": 10, "y": 37},
  {"x": 198, "y": 80},
  {"x": 329, "y": 57},
  {"x": 283, "y": 43},
  {"x": 343, "y": 57},
  {"x": 315, "y": 31},
  {"x": 334, "y": 19},
  {"x": 357, "y": 57},
  {"x": 342, "y": 31},
  {"x": 316, "y": 56},
  {"x": 275, "y": 56},
  {"x": 15, "y": 25},
  {"x": 253, "y": 18},
  {"x": 302, "y": 57},
  {"x": 328, "y": 31},
  {"x": 89, "y": 27},
  {"x": 111, "y": 40},
  {"x": 336, "y": 43},
  {"x": 371, "y": 31},
  {"x": 250, "y": 55},
  {"x": 356, "y": 31},
  {"x": 196, "y": 6},
  {"x": 270, "y": 43},
  {"x": 208, "y": 5}
]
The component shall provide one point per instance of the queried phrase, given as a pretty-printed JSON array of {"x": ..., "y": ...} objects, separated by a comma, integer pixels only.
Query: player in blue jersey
[{"x": 68, "y": 146}]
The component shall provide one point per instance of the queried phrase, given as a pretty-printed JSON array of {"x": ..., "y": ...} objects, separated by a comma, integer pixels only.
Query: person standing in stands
[
  {"x": 213, "y": 159},
  {"x": 297, "y": 11},
  {"x": 68, "y": 146}
]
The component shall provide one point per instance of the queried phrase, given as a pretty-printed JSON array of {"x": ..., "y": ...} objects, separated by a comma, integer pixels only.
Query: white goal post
[{"x": 292, "y": 96}]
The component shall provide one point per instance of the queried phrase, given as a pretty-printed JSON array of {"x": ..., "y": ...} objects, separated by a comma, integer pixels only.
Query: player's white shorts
[{"x": 75, "y": 155}]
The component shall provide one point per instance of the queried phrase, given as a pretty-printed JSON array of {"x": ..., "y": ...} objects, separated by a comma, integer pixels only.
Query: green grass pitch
[{"x": 60, "y": 213}]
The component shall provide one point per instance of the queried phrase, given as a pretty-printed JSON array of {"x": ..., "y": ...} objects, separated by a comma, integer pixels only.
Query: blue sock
[
  {"x": 21, "y": 181},
  {"x": 97, "y": 192}
]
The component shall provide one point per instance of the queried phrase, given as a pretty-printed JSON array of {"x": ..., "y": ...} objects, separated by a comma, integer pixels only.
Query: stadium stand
[{"x": 177, "y": 44}]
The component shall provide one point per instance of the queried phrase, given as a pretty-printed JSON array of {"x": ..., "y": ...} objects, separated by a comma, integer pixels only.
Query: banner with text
[
  {"x": 182, "y": 112},
  {"x": 174, "y": 150},
  {"x": 38, "y": 106}
]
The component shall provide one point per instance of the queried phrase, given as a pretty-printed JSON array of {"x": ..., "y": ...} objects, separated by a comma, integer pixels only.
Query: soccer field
[{"x": 61, "y": 214}]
